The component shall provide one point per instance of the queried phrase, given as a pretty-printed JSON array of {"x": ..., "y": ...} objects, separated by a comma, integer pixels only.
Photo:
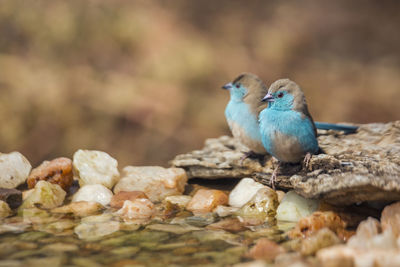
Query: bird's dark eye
[
  {"x": 280, "y": 95},
  {"x": 238, "y": 85}
]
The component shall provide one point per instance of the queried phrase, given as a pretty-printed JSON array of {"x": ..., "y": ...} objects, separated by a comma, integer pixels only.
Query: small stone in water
[
  {"x": 95, "y": 231},
  {"x": 206, "y": 200},
  {"x": 93, "y": 192},
  {"x": 229, "y": 224},
  {"x": 173, "y": 228},
  {"x": 80, "y": 208},
  {"x": 294, "y": 207},
  {"x": 261, "y": 208},
  {"x": 5, "y": 210},
  {"x": 180, "y": 201},
  {"x": 223, "y": 211},
  {"x": 321, "y": 239},
  {"x": 117, "y": 201},
  {"x": 265, "y": 249},
  {"x": 95, "y": 167},
  {"x": 139, "y": 209},
  {"x": 12, "y": 197},
  {"x": 46, "y": 195},
  {"x": 57, "y": 171},
  {"x": 14, "y": 169},
  {"x": 156, "y": 182},
  {"x": 243, "y": 192},
  {"x": 318, "y": 220}
]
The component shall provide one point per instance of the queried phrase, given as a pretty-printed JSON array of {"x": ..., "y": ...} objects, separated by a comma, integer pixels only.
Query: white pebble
[
  {"x": 94, "y": 192},
  {"x": 294, "y": 207},
  {"x": 14, "y": 169},
  {"x": 95, "y": 167},
  {"x": 243, "y": 192}
]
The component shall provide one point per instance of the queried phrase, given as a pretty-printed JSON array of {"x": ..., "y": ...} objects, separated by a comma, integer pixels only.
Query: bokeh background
[{"x": 141, "y": 79}]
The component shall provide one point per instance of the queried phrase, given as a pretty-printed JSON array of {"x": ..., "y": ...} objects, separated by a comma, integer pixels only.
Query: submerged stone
[
  {"x": 321, "y": 239},
  {"x": 93, "y": 193},
  {"x": 265, "y": 249},
  {"x": 139, "y": 209},
  {"x": 14, "y": 169},
  {"x": 96, "y": 230},
  {"x": 95, "y": 167},
  {"x": 156, "y": 182},
  {"x": 261, "y": 208},
  {"x": 80, "y": 208},
  {"x": 117, "y": 201},
  {"x": 173, "y": 228},
  {"x": 205, "y": 200}
]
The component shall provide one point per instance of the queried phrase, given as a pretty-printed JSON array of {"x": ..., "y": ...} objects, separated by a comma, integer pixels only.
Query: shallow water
[{"x": 44, "y": 244}]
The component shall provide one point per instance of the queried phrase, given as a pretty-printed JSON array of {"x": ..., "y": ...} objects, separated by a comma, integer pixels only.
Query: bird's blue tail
[{"x": 337, "y": 127}]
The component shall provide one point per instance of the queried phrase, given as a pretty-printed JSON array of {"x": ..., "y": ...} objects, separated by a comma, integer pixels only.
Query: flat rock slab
[{"x": 364, "y": 166}]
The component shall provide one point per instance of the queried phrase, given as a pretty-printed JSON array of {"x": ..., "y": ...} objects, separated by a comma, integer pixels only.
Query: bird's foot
[
  {"x": 251, "y": 155},
  {"x": 274, "y": 175},
  {"x": 307, "y": 159}
]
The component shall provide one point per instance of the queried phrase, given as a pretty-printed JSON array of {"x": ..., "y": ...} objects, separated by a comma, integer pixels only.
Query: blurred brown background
[{"x": 141, "y": 79}]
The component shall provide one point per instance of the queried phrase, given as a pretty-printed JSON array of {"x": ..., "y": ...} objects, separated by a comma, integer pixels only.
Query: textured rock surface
[
  {"x": 13, "y": 197},
  {"x": 46, "y": 195},
  {"x": 94, "y": 192},
  {"x": 358, "y": 167}
]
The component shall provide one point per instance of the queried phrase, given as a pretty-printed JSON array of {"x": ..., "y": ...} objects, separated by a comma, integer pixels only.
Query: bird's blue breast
[
  {"x": 287, "y": 134},
  {"x": 240, "y": 113}
]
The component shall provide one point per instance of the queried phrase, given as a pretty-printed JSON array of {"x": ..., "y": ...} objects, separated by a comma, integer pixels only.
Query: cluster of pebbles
[{"x": 130, "y": 215}]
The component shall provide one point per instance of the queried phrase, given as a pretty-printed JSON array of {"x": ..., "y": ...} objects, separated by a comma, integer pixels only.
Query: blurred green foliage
[{"x": 140, "y": 79}]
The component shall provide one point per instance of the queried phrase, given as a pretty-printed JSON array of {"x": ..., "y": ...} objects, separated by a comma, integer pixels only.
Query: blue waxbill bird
[
  {"x": 287, "y": 129},
  {"x": 246, "y": 93},
  {"x": 241, "y": 113}
]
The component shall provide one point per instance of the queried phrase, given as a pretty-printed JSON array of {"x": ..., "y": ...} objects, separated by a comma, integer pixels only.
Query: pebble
[
  {"x": 205, "y": 200},
  {"x": 229, "y": 224},
  {"x": 80, "y": 208},
  {"x": 309, "y": 225},
  {"x": 95, "y": 167},
  {"x": 224, "y": 211},
  {"x": 265, "y": 249},
  {"x": 57, "y": 171},
  {"x": 139, "y": 209},
  {"x": 156, "y": 182},
  {"x": 5, "y": 210},
  {"x": 180, "y": 201},
  {"x": 390, "y": 218},
  {"x": 173, "y": 228},
  {"x": 12, "y": 197},
  {"x": 293, "y": 207},
  {"x": 117, "y": 201},
  {"x": 96, "y": 230},
  {"x": 321, "y": 239},
  {"x": 14, "y": 169},
  {"x": 46, "y": 195},
  {"x": 243, "y": 192},
  {"x": 261, "y": 208},
  {"x": 93, "y": 193}
]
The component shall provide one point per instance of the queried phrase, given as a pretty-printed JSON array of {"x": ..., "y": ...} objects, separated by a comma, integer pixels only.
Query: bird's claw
[{"x": 307, "y": 159}]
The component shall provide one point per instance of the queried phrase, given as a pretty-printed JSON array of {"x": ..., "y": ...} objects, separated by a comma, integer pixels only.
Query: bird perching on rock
[
  {"x": 241, "y": 113},
  {"x": 287, "y": 129},
  {"x": 246, "y": 92}
]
